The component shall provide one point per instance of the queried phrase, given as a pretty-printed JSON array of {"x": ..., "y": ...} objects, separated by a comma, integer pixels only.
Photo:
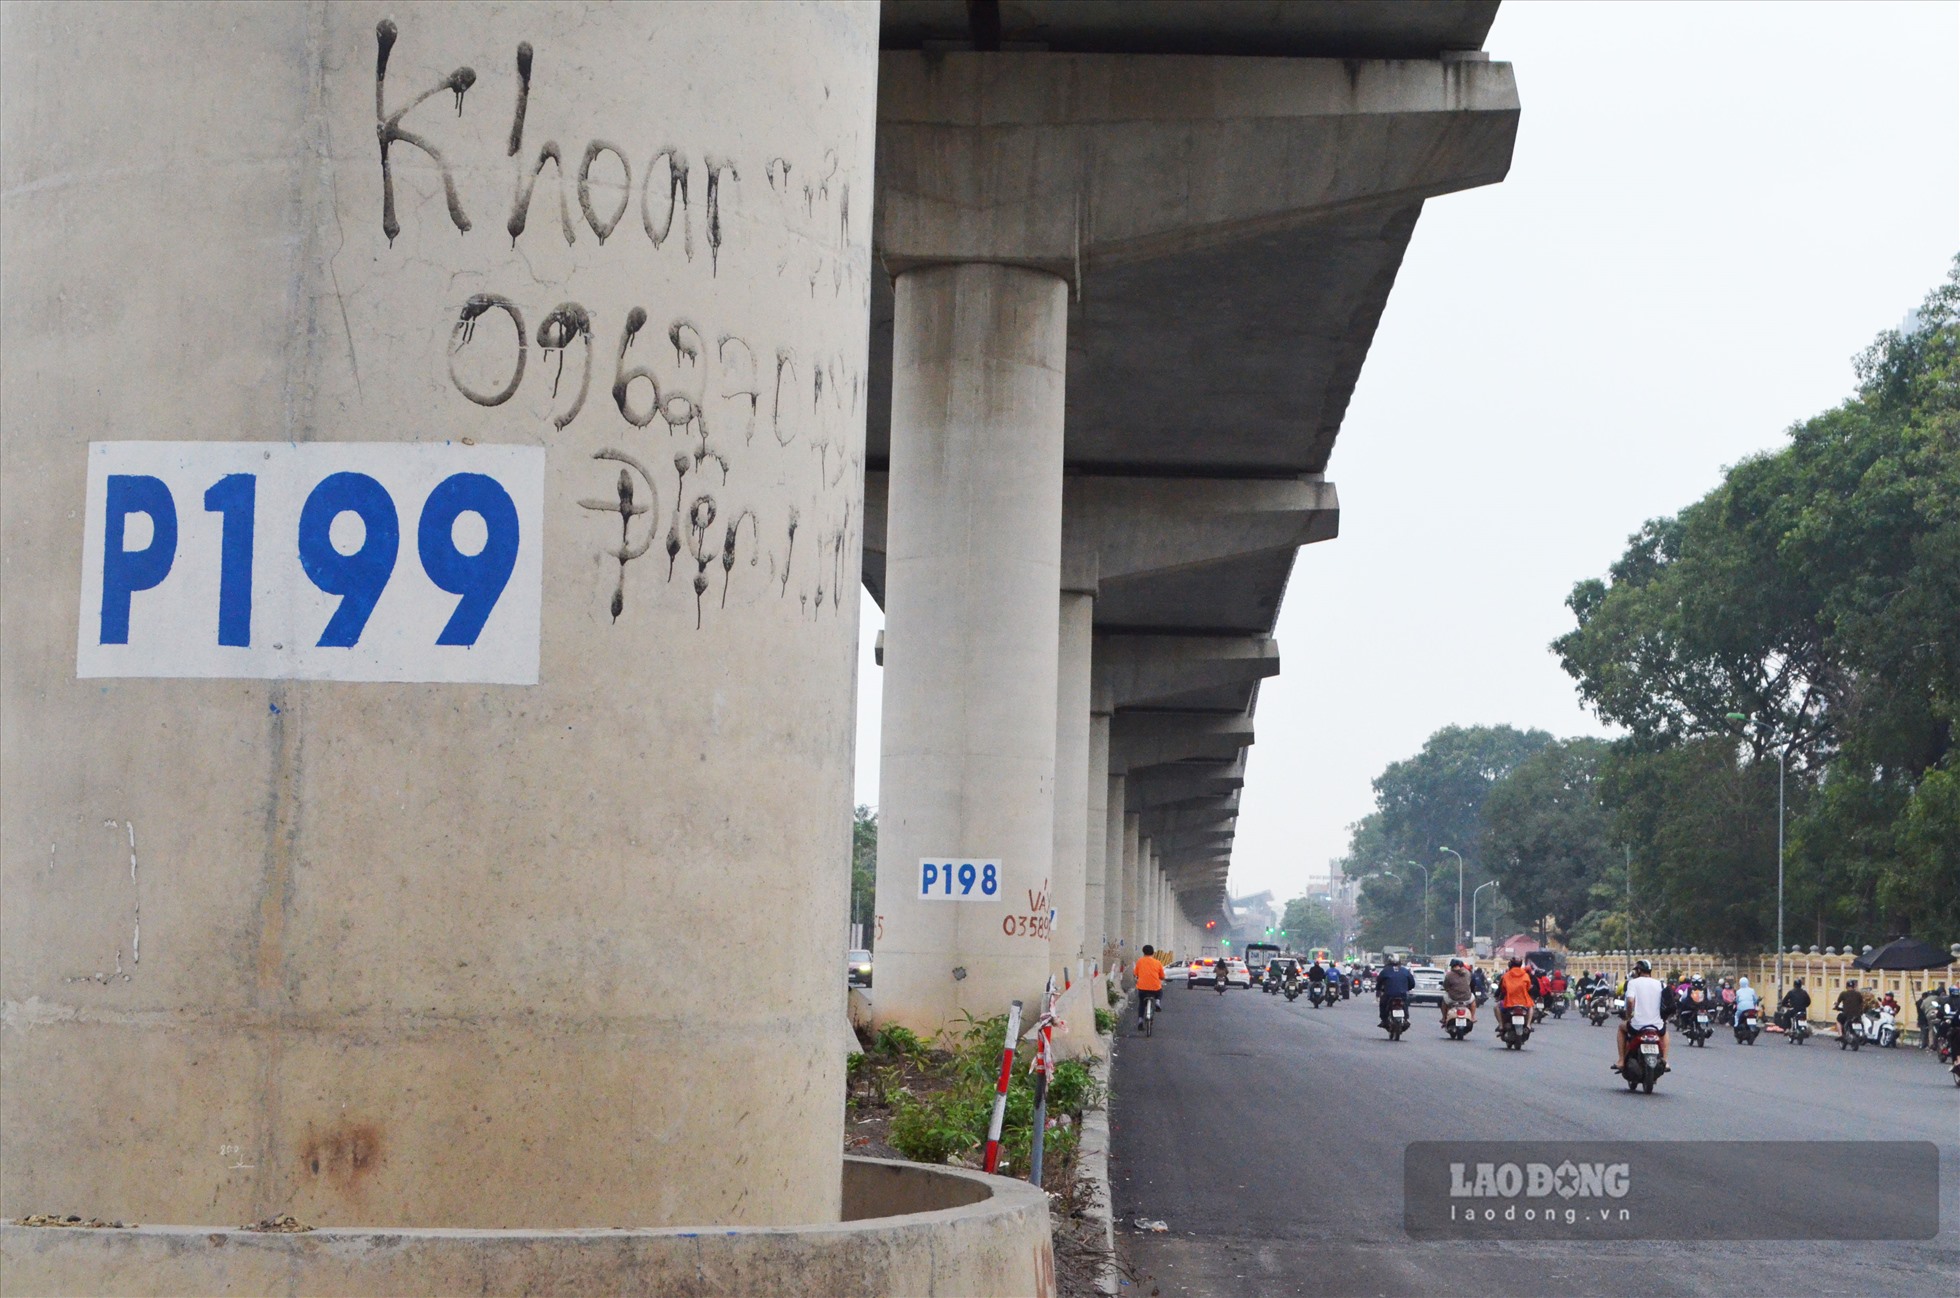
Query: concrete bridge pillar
[
  {"x": 1068, "y": 891},
  {"x": 1095, "y": 851},
  {"x": 972, "y": 635},
  {"x": 1113, "y": 845},
  {"x": 430, "y": 608}
]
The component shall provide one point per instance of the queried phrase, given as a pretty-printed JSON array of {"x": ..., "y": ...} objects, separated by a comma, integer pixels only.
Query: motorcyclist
[
  {"x": 1515, "y": 989},
  {"x": 1456, "y": 990},
  {"x": 1316, "y": 980},
  {"x": 1479, "y": 984},
  {"x": 1644, "y": 1010},
  {"x": 1929, "y": 1009},
  {"x": 1695, "y": 1001},
  {"x": 1220, "y": 974},
  {"x": 1795, "y": 1001},
  {"x": 1395, "y": 983},
  {"x": 1850, "y": 1008},
  {"x": 1745, "y": 999}
]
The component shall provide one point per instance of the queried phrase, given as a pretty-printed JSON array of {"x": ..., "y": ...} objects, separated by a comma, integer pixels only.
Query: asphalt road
[{"x": 1236, "y": 1097}]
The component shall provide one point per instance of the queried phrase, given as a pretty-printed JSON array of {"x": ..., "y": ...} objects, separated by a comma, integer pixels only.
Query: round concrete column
[
  {"x": 1072, "y": 698},
  {"x": 1113, "y": 841},
  {"x": 1095, "y": 850},
  {"x": 1133, "y": 863},
  {"x": 972, "y": 573},
  {"x": 327, "y": 893}
]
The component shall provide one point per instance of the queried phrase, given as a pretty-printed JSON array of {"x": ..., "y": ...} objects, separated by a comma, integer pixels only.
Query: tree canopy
[{"x": 1805, "y": 613}]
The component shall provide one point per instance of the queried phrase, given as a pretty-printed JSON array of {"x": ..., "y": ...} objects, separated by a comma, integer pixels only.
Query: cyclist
[{"x": 1149, "y": 978}]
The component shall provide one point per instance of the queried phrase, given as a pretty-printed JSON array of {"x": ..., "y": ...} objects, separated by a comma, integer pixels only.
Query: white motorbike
[{"x": 1880, "y": 1026}]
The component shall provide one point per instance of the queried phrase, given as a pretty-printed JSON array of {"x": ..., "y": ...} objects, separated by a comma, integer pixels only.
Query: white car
[{"x": 1429, "y": 985}]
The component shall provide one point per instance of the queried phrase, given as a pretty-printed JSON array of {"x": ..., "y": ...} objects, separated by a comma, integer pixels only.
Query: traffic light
[{"x": 1211, "y": 923}]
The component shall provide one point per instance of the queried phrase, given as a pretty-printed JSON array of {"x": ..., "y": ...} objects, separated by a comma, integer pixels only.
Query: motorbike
[
  {"x": 1292, "y": 989},
  {"x": 1851, "y": 1032},
  {"x": 1457, "y": 1022},
  {"x": 1797, "y": 1030},
  {"x": 1396, "y": 1018},
  {"x": 1317, "y": 993},
  {"x": 1558, "y": 1003},
  {"x": 1597, "y": 1008},
  {"x": 1881, "y": 1026},
  {"x": 1748, "y": 1026},
  {"x": 1644, "y": 1064},
  {"x": 1516, "y": 1029},
  {"x": 1694, "y": 1021},
  {"x": 1221, "y": 983}
]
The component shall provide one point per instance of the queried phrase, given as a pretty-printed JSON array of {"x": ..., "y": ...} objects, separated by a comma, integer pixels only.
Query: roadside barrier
[{"x": 1000, "y": 1091}]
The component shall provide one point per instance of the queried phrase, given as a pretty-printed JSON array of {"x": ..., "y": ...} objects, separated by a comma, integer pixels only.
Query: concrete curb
[{"x": 1094, "y": 1154}]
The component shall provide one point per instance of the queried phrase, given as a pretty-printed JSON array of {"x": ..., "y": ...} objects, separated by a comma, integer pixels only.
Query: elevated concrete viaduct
[{"x": 1163, "y": 252}]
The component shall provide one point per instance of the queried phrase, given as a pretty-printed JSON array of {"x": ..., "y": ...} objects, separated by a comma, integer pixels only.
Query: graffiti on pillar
[
  {"x": 678, "y": 466},
  {"x": 1035, "y": 922}
]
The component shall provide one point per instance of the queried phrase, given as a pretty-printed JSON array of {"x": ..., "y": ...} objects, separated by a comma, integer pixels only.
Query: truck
[{"x": 1257, "y": 954}]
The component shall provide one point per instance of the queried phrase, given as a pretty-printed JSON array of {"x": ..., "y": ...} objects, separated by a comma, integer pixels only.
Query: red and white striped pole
[{"x": 1000, "y": 1091}]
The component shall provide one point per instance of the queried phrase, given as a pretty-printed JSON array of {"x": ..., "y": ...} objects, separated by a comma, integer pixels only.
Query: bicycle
[{"x": 1148, "y": 1021}]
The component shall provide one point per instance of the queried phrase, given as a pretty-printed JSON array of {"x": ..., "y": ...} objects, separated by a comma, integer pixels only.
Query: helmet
[
  {"x": 1393, "y": 957},
  {"x": 1455, "y": 963},
  {"x": 1698, "y": 981},
  {"x": 1642, "y": 967}
]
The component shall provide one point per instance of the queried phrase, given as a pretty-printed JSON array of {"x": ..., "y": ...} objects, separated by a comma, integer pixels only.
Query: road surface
[{"x": 1269, "y": 1138}]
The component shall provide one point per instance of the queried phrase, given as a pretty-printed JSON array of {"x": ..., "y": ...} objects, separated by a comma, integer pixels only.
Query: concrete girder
[
  {"x": 1181, "y": 781},
  {"x": 1143, "y": 739},
  {"x": 1139, "y": 670},
  {"x": 1069, "y": 162},
  {"x": 1128, "y": 527},
  {"x": 1182, "y": 822}
]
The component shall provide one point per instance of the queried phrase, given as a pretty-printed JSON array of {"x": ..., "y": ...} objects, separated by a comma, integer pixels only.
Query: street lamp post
[
  {"x": 1459, "y": 890},
  {"x": 1473, "y": 912},
  {"x": 1428, "y": 930},
  {"x": 1782, "y": 758}
]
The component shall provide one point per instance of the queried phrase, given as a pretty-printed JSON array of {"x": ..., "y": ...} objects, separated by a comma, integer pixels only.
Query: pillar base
[{"x": 907, "y": 1229}]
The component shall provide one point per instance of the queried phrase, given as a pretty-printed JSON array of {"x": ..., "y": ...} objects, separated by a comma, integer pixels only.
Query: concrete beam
[
  {"x": 1135, "y": 670},
  {"x": 1119, "y": 158},
  {"x": 1143, "y": 739}
]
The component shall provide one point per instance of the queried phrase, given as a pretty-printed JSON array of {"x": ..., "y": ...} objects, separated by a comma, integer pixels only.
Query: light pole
[
  {"x": 1428, "y": 932},
  {"x": 1782, "y": 757},
  {"x": 1473, "y": 912},
  {"x": 1382, "y": 869},
  {"x": 1459, "y": 890}
]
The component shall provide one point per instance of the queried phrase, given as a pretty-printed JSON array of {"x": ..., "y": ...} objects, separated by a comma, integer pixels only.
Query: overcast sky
[{"x": 1712, "y": 208}]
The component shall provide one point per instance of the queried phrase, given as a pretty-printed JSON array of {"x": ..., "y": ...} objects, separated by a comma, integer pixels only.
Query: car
[
  {"x": 1429, "y": 985},
  {"x": 1236, "y": 974},
  {"x": 857, "y": 968},
  {"x": 1197, "y": 973}
]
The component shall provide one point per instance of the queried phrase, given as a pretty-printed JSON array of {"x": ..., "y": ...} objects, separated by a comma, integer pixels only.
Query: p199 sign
[
  {"x": 958, "y": 879},
  {"x": 357, "y": 561}
]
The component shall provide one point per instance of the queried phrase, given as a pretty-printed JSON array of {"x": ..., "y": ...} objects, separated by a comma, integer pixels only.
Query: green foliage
[
  {"x": 1422, "y": 805},
  {"x": 1308, "y": 923},
  {"x": 864, "y": 871},
  {"x": 949, "y": 1120},
  {"x": 1105, "y": 1021},
  {"x": 1115, "y": 997},
  {"x": 1816, "y": 593},
  {"x": 1548, "y": 835},
  {"x": 895, "y": 1041}
]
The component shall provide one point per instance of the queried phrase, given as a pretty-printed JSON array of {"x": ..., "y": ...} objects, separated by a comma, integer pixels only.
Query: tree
[
  {"x": 1308, "y": 923},
  {"x": 864, "y": 871},
  {"x": 1548, "y": 836},
  {"x": 1814, "y": 594},
  {"x": 1423, "y": 804}
]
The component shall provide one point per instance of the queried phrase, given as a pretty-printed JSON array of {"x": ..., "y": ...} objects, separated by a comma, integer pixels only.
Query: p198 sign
[
  {"x": 357, "y": 561},
  {"x": 957, "y": 879}
]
